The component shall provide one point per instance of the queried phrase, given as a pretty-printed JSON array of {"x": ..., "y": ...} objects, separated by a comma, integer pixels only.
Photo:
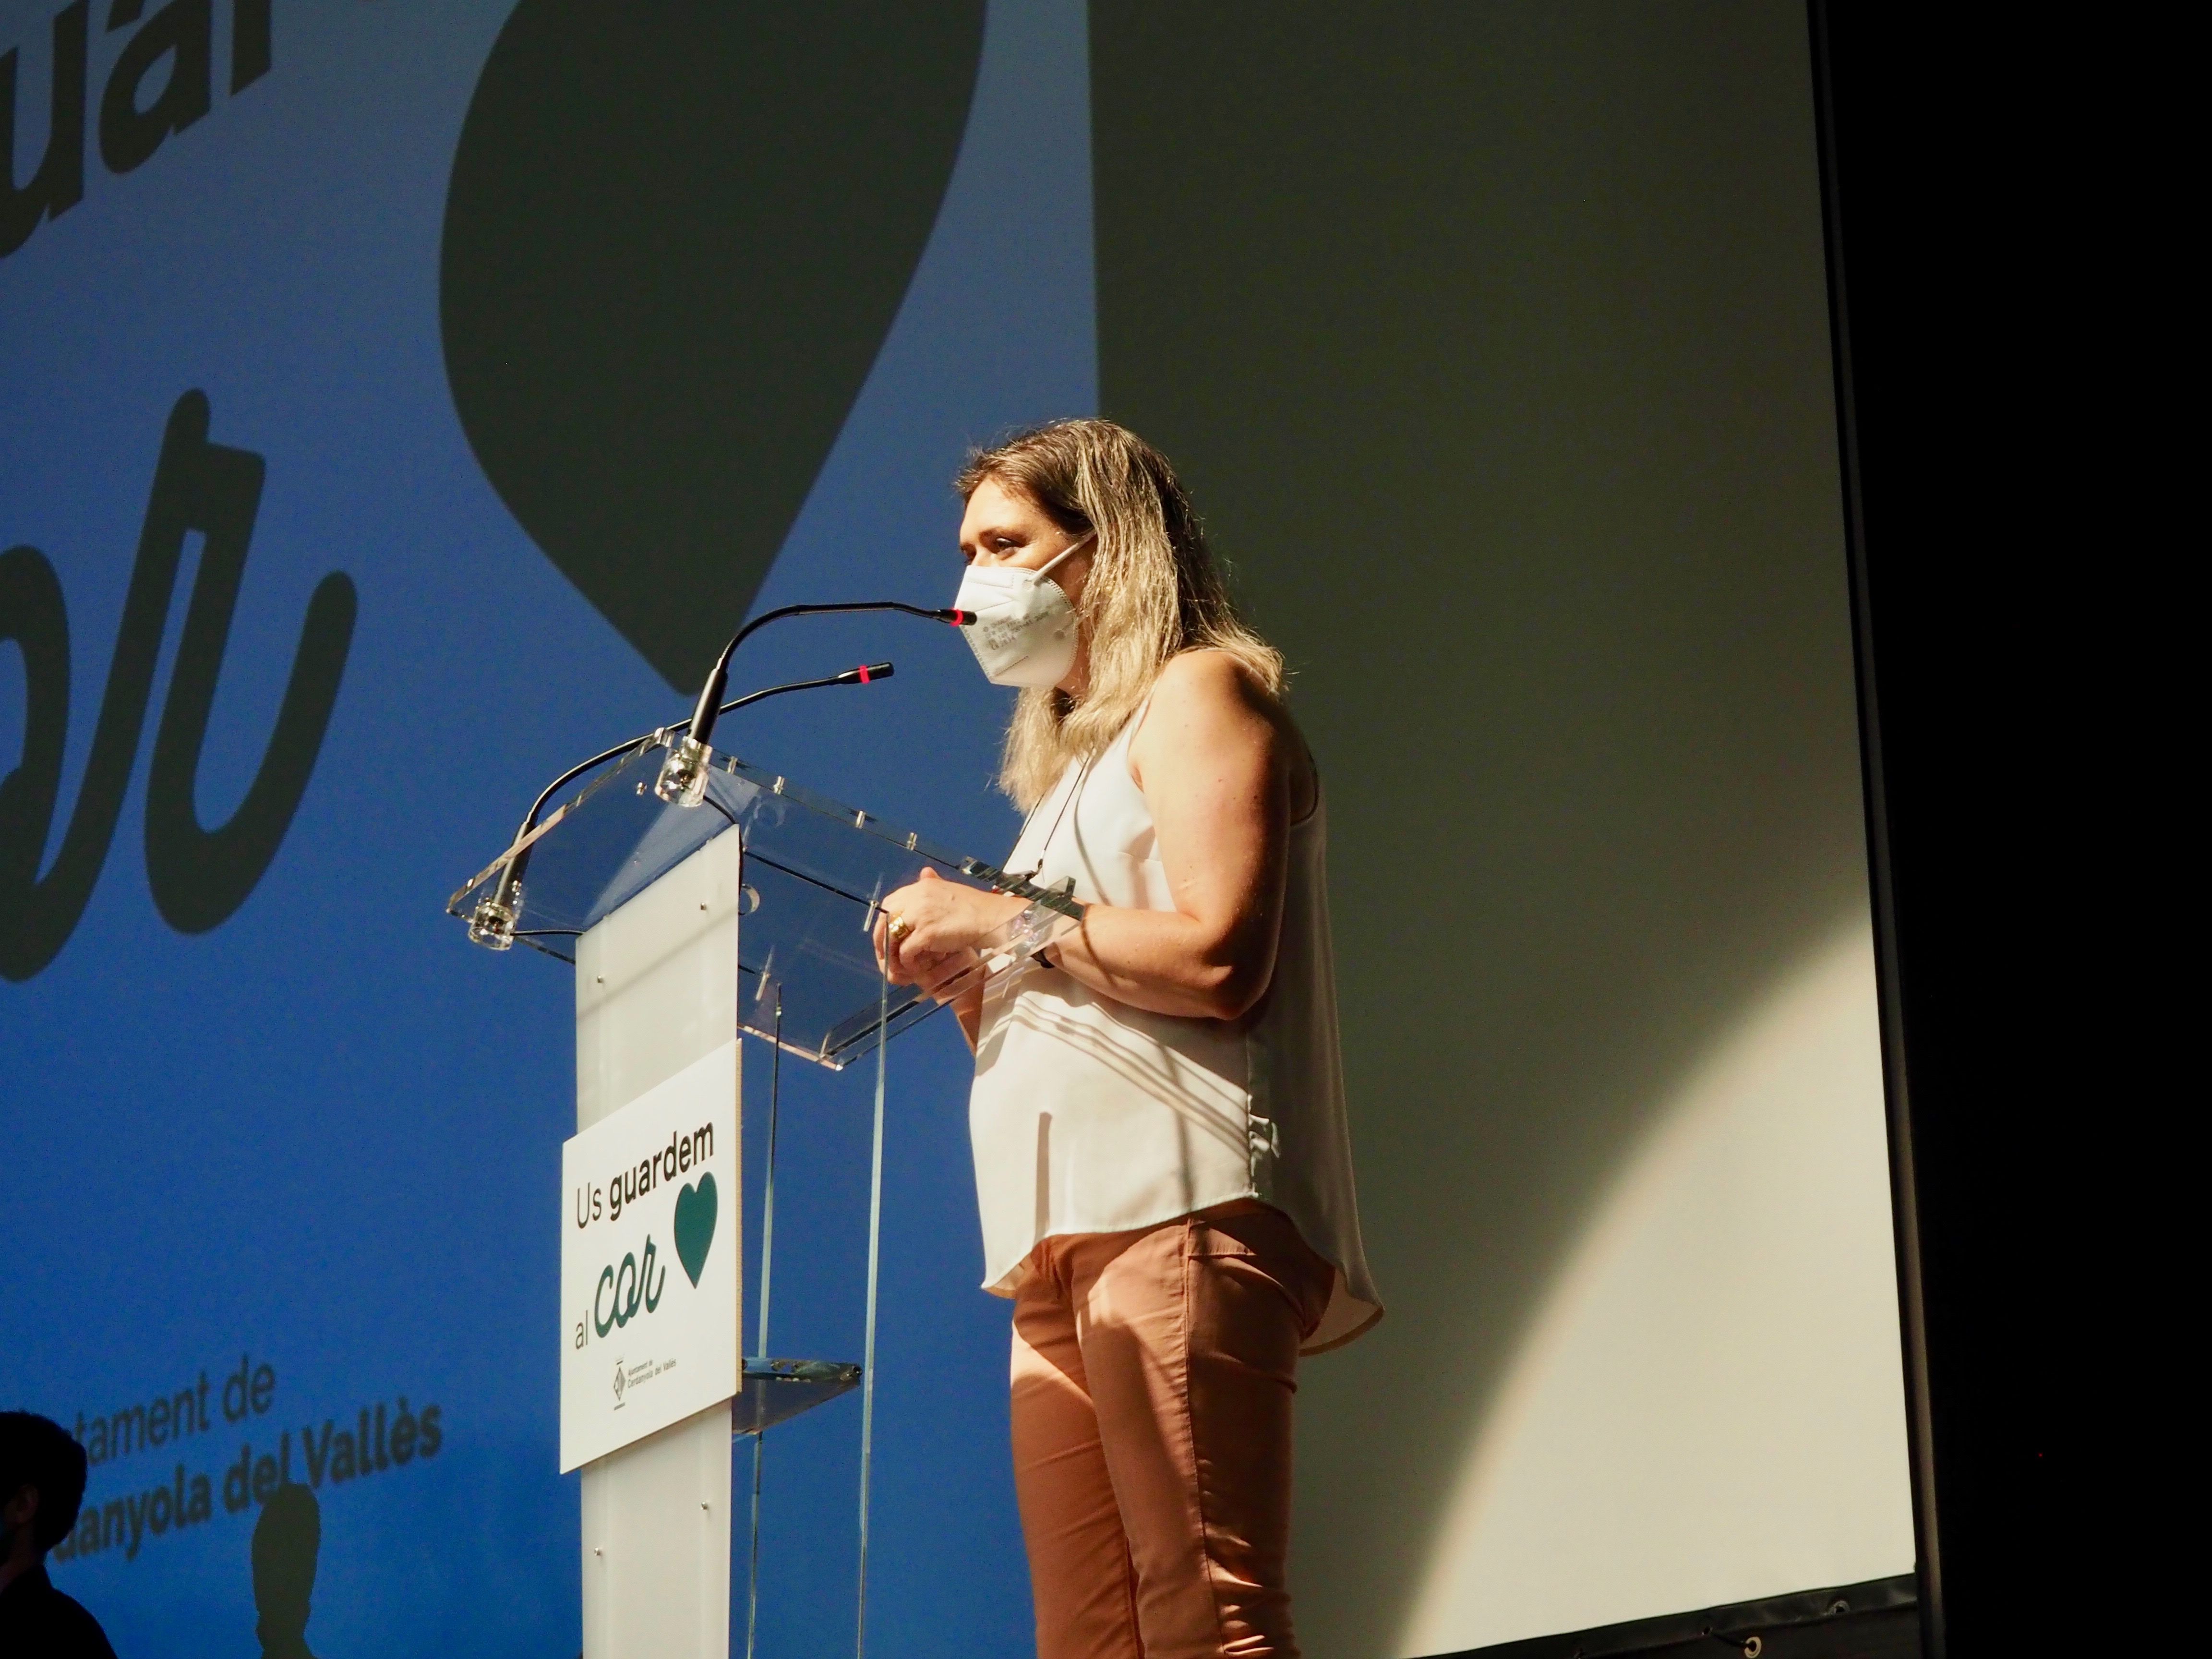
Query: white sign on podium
[{"x": 649, "y": 1262}]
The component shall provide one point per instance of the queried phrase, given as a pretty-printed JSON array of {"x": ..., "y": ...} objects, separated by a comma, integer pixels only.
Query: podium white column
[{"x": 656, "y": 990}]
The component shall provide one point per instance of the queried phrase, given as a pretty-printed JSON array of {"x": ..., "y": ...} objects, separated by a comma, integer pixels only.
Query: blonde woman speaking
[{"x": 1161, "y": 1157}]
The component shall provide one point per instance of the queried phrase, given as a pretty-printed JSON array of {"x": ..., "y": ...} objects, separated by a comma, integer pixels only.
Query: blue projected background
[{"x": 309, "y": 1154}]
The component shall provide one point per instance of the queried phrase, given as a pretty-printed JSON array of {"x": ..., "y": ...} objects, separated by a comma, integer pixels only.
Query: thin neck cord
[
  {"x": 1082, "y": 777},
  {"x": 868, "y": 1343}
]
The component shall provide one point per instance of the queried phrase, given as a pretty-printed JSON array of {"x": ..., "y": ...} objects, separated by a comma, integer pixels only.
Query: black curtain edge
[
  {"x": 1905, "y": 1196},
  {"x": 1732, "y": 1623}
]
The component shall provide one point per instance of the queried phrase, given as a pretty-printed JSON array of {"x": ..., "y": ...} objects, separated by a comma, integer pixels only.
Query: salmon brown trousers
[{"x": 1153, "y": 1376}]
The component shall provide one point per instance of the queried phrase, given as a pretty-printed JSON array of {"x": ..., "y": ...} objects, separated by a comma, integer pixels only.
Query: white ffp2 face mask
[{"x": 1024, "y": 631}]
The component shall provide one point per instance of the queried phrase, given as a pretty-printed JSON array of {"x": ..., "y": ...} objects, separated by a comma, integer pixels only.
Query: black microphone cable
[{"x": 865, "y": 674}]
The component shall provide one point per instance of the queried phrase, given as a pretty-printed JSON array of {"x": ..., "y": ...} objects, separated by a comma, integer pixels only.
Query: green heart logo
[{"x": 695, "y": 1210}]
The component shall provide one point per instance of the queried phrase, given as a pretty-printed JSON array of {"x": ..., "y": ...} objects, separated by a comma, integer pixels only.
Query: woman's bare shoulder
[
  {"x": 1215, "y": 677},
  {"x": 1210, "y": 696}
]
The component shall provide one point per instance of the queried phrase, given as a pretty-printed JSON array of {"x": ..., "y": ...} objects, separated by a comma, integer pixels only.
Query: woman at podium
[{"x": 1161, "y": 1155}]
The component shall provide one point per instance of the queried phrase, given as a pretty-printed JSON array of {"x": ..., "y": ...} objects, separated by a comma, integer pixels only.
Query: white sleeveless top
[{"x": 1090, "y": 1116}]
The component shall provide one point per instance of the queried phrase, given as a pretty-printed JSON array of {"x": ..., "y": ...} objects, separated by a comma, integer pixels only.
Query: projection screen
[{"x": 557, "y": 336}]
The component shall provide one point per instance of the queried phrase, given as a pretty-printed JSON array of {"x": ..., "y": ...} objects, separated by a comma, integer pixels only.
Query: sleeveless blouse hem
[{"x": 1348, "y": 1317}]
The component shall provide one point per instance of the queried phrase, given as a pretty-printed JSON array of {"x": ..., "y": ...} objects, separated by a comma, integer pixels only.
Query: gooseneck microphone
[
  {"x": 683, "y": 780},
  {"x": 704, "y": 713}
]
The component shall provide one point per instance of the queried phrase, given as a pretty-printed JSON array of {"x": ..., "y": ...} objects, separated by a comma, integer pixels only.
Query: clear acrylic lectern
[{"x": 747, "y": 907}]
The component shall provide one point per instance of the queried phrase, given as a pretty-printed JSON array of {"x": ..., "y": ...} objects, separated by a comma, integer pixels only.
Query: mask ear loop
[{"x": 1075, "y": 546}]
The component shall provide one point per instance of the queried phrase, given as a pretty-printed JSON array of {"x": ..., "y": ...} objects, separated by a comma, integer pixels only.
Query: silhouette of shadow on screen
[
  {"x": 287, "y": 1539},
  {"x": 675, "y": 239}
]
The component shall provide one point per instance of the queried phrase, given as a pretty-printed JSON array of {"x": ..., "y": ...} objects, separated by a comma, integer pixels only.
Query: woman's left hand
[{"x": 937, "y": 919}]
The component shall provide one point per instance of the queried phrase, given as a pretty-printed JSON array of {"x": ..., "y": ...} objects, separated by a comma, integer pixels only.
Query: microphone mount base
[
  {"x": 491, "y": 924},
  {"x": 683, "y": 780}
]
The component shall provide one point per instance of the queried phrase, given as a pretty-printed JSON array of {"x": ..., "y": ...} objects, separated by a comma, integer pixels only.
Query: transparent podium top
[{"x": 814, "y": 872}]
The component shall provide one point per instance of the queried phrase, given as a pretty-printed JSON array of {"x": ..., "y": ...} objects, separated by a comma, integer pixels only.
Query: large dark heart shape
[
  {"x": 676, "y": 236},
  {"x": 695, "y": 1210}
]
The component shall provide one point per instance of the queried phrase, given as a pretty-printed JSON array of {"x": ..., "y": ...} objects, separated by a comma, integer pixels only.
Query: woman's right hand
[
  {"x": 943, "y": 976},
  {"x": 931, "y": 919},
  {"x": 905, "y": 959}
]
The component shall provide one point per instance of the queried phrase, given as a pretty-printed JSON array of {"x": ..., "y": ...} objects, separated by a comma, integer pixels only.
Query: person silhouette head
[
  {"x": 287, "y": 1539},
  {"x": 42, "y": 1473}
]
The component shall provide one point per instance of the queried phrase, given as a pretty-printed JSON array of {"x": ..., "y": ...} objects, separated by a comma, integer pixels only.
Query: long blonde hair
[{"x": 1154, "y": 590}]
